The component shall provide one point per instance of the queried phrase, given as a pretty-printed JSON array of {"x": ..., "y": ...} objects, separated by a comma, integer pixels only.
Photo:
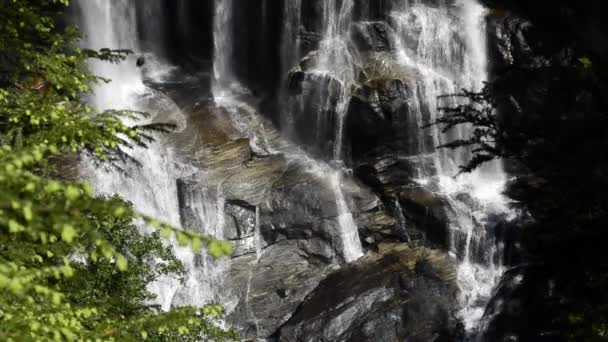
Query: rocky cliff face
[
  {"x": 298, "y": 261},
  {"x": 314, "y": 163}
]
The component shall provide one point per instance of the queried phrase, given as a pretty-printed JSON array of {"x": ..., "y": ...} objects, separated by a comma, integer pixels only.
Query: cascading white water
[
  {"x": 335, "y": 63},
  {"x": 226, "y": 90},
  {"x": 112, "y": 24},
  {"x": 152, "y": 187},
  {"x": 444, "y": 43},
  {"x": 349, "y": 234},
  {"x": 223, "y": 77},
  {"x": 449, "y": 54},
  {"x": 335, "y": 60},
  {"x": 290, "y": 55},
  {"x": 119, "y": 23}
]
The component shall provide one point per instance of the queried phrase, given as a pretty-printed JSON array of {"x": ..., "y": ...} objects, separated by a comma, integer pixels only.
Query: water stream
[
  {"x": 444, "y": 44},
  {"x": 450, "y": 55}
]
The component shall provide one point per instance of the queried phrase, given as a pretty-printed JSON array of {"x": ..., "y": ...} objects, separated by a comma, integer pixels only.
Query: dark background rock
[{"x": 524, "y": 309}]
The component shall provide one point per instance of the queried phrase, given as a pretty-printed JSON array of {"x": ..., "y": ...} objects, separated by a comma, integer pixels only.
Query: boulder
[
  {"x": 271, "y": 288},
  {"x": 395, "y": 294},
  {"x": 377, "y": 226},
  {"x": 429, "y": 212},
  {"x": 426, "y": 214},
  {"x": 387, "y": 174}
]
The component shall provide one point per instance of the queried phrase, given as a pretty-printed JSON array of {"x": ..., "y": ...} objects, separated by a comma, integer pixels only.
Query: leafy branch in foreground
[
  {"x": 73, "y": 265},
  {"x": 487, "y": 136}
]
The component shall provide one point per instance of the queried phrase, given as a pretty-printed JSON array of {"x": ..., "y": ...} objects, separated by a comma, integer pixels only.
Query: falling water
[
  {"x": 290, "y": 54},
  {"x": 204, "y": 209},
  {"x": 227, "y": 89},
  {"x": 152, "y": 188},
  {"x": 223, "y": 77},
  {"x": 349, "y": 234},
  {"x": 449, "y": 54},
  {"x": 401, "y": 220},
  {"x": 444, "y": 43},
  {"x": 336, "y": 62},
  {"x": 120, "y": 23},
  {"x": 257, "y": 235},
  {"x": 113, "y": 24}
]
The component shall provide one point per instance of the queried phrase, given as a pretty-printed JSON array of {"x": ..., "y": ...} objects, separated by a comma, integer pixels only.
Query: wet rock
[
  {"x": 508, "y": 42},
  {"x": 210, "y": 142},
  {"x": 381, "y": 297},
  {"x": 295, "y": 79},
  {"x": 377, "y": 226},
  {"x": 511, "y": 233},
  {"x": 240, "y": 218},
  {"x": 380, "y": 116},
  {"x": 254, "y": 179},
  {"x": 319, "y": 92},
  {"x": 300, "y": 240},
  {"x": 66, "y": 166},
  {"x": 371, "y": 36},
  {"x": 270, "y": 289},
  {"x": 429, "y": 211},
  {"x": 387, "y": 174},
  {"x": 302, "y": 205},
  {"x": 377, "y": 114},
  {"x": 426, "y": 214},
  {"x": 189, "y": 195}
]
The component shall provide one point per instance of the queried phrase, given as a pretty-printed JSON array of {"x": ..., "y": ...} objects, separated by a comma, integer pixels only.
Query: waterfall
[
  {"x": 450, "y": 54},
  {"x": 442, "y": 43},
  {"x": 152, "y": 188},
  {"x": 349, "y": 234},
  {"x": 335, "y": 60},
  {"x": 112, "y": 24},
  {"x": 257, "y": 235},
  {"x": 226, "y": 92},
  {"x": 335, "y": 64},
  {"x": 223, "y": 77},
  {"x": 290, "y": 55}
]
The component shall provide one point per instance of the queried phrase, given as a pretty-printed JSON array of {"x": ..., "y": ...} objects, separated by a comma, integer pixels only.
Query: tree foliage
[
  {"x": 551, "y": 123},
  {"x": 73, "y": 265}
]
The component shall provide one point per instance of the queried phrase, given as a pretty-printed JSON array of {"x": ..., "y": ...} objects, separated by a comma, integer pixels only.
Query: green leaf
[
  {"x": 72, "y": 193},
  {"x": 68, "y": 233},
  {"x": 585, "y": 62},
  {"x": 182, "y": 239},
  {"x": 88, "y": 189},
  {"x": 52, "y": 187},
  {"x": 121, "y": 263},
  {"x": 166, "y": 233},
  {"x": 120, "y": 212},
  {"x": 15, "y": 227},
  {"x": 27, "y": 213},
  {"x": 197, "y": 244},
  {"x": 218, "y": 249},
  {"x": 213, "y": 310}
]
